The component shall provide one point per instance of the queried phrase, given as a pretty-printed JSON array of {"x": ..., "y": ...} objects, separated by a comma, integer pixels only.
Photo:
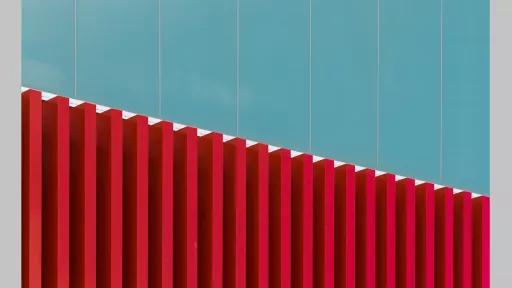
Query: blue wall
[{"x": 397, "y": 85}]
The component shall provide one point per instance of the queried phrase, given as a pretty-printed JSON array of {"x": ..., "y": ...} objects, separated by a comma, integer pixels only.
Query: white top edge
[
  {"x": 378, "y": 173},
  {"x": 272, "y": 148},
  {"x": 202, "y": 132},
  {"x": 47, "y": 96},
  {"x": 74, "y": 102},
  {"x": 177, "y": 126},
  {"x": 226, "y": 138},
  {"x": 128, "y": 115},
  {"x": 23, "y": 89},
  {"x": 295, "y": 153},
  {"x": 317, "y": 158},
  {"x": 338, "y": 163},
  {"x": 358, "y": 168},
  {"x": 418, "y": 182},
  {"x": 438, "y": 186},
  {"x": 249, "y": 143},
  {"x": 153, "y": 121},
  {"x": 101, "y": 109}
]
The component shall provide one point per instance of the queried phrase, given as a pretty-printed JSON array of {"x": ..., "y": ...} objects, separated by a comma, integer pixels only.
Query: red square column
[
  {"x": 109, "y": 188},
  {"x": 462, "y": 240},
  {"x": 425, "y": 226},
  {"x": 481, "y": 242},
  {"x": 344, "y": 229},
  {"x": 234, "y": 214},
  {"x": 160, "y": 205},
  {"x": 83, "y": 196},
  {"x": 365, "y": 228},
  {"x": 185, "y": 208},
  {"x": 31, "y": 195},
  {"x": 406, "y": 233},
  {"x": 135, "y": 202},
  {"x": 257, "y": 216},
  {"x": 323, "y": 242},
  {"x": 210, "y": 195},
  {"x": 444, "y": 238},
  {"x": 302, "y": 221},
  {"x": 386, "y": 230},
  {"x": 56, "y": 193},
  {"x": 280, "y": 205}
]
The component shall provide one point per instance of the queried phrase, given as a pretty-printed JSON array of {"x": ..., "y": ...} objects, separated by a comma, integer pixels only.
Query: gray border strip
[
  {"x": 10, "y": 152},
  {"x": 501, "y": 142}
]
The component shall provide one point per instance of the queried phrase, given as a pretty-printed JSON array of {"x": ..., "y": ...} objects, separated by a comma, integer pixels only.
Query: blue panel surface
[
  {"x": 344, "y": 80},
  {"x": 466, "y": 95},
  {"x": 274, "y": 72},
  {"x": 199, "y": 63},
  {"x": 117, "y": 53},
  {"x": 48, "y": 46},
  {"x": 410, "y": 88}
]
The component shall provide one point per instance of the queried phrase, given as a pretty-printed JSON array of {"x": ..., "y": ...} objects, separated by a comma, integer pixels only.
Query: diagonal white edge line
[{"x": 201, "y": 132}]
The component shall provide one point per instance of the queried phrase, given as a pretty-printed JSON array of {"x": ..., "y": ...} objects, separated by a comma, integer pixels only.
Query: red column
[
  {"x": 135, "y": 202},
  {"x": 481, "y": 242},
  {"x": 425, "y": 225},
  {"x": 462, "y": 240},
  {"x": 31, "y": 194},
  {"x": 302, "y": 221},
  {"x": 444, "y": 238},
  {"x": 344, "y": 231},
  {"x": 406, "y": 233},
  {"x": 323, "y": 242},
  {"x": 257, "y": 217},
  {"x": 280, "y": 205},
  {"x": 56, "y": 193},
  {"x": 109, "y": 188},
  {"x": 210, "y": 193},
  {"x": 365, "y": 229},
  {"x": 185, "y": 208},
  {"x": 83, "y": 196},
  {"x": 160, "y": 205},
  {"x": 234, "y": 214},
  {"x": 386, "y": 230}
]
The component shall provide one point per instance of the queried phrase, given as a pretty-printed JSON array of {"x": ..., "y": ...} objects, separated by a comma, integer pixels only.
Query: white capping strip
[
  {"x": 45, "y": 96},
  {"x": 153, "y": 121}
]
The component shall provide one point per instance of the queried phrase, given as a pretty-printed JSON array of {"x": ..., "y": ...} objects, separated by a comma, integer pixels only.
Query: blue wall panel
[
  {"x": 274, "y": 72},
  {"x": 48, "y": 45},
  {"x": 199, "y": 63},
  {"x": 344, "y": 80},
  {"x": 410, "y": 88},
  {"x": 117, "y": 53},
  {"x": 466, "y": 94}
]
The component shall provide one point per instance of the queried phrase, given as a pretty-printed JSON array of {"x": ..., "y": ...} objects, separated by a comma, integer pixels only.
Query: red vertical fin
[
  {"x": 135, "y": 202},
  {"x": 444, "y": 238},
  {"x": 31, "y": 189},
  {"x": 56, "y": 193},
  {"x": 323, "y": 242},
  {"x": 280, "y": 199},
  {"x": 234, "y": 214},
  {"x": 462, "y": 242},
  {"x": 344, "y": 247},
  {"x": 257, "y": 216},
  {"x": 425, "y": 225},
  {"x": 160, "y": 205},
  {"x": 406, "y": 234},
  {"x": 185, "y": 208},
  {"x": 302, "y": 221},
  {"x": 481, "y": 242},
  {"x": 386, "y": 230},
  {"x": 365, "y": 228},
  {"x": 109, "y": 176},
  {"x": 210, "y": 195},
  {"x": 83, "y": 196}
]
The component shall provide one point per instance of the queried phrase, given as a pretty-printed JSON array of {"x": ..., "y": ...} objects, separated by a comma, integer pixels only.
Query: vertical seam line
[
  {"x": 310, "y": 79},
  {"x": 159, "y": 64},
  {"x": 378, "y": 86},
  {"x": 75, "y": 49},
  {"x": 237, "y": 88}
]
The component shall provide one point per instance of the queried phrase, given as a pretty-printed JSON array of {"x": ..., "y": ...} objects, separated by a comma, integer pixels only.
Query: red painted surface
[
  {"x": 345, "y": 226},
  {"x": 161, "y": 205},
  {"x": 425, "y": 240},
  {"x": 302, "y": 221},
  {"x": 386, "y": 198},
  {"x": 280, "y": 221},
  {"x": 210, "y": 209},
  {"x": 235, "y": 245},
  {"x": 112, "y": 202},
  {"x": 83, "y": 196}
]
